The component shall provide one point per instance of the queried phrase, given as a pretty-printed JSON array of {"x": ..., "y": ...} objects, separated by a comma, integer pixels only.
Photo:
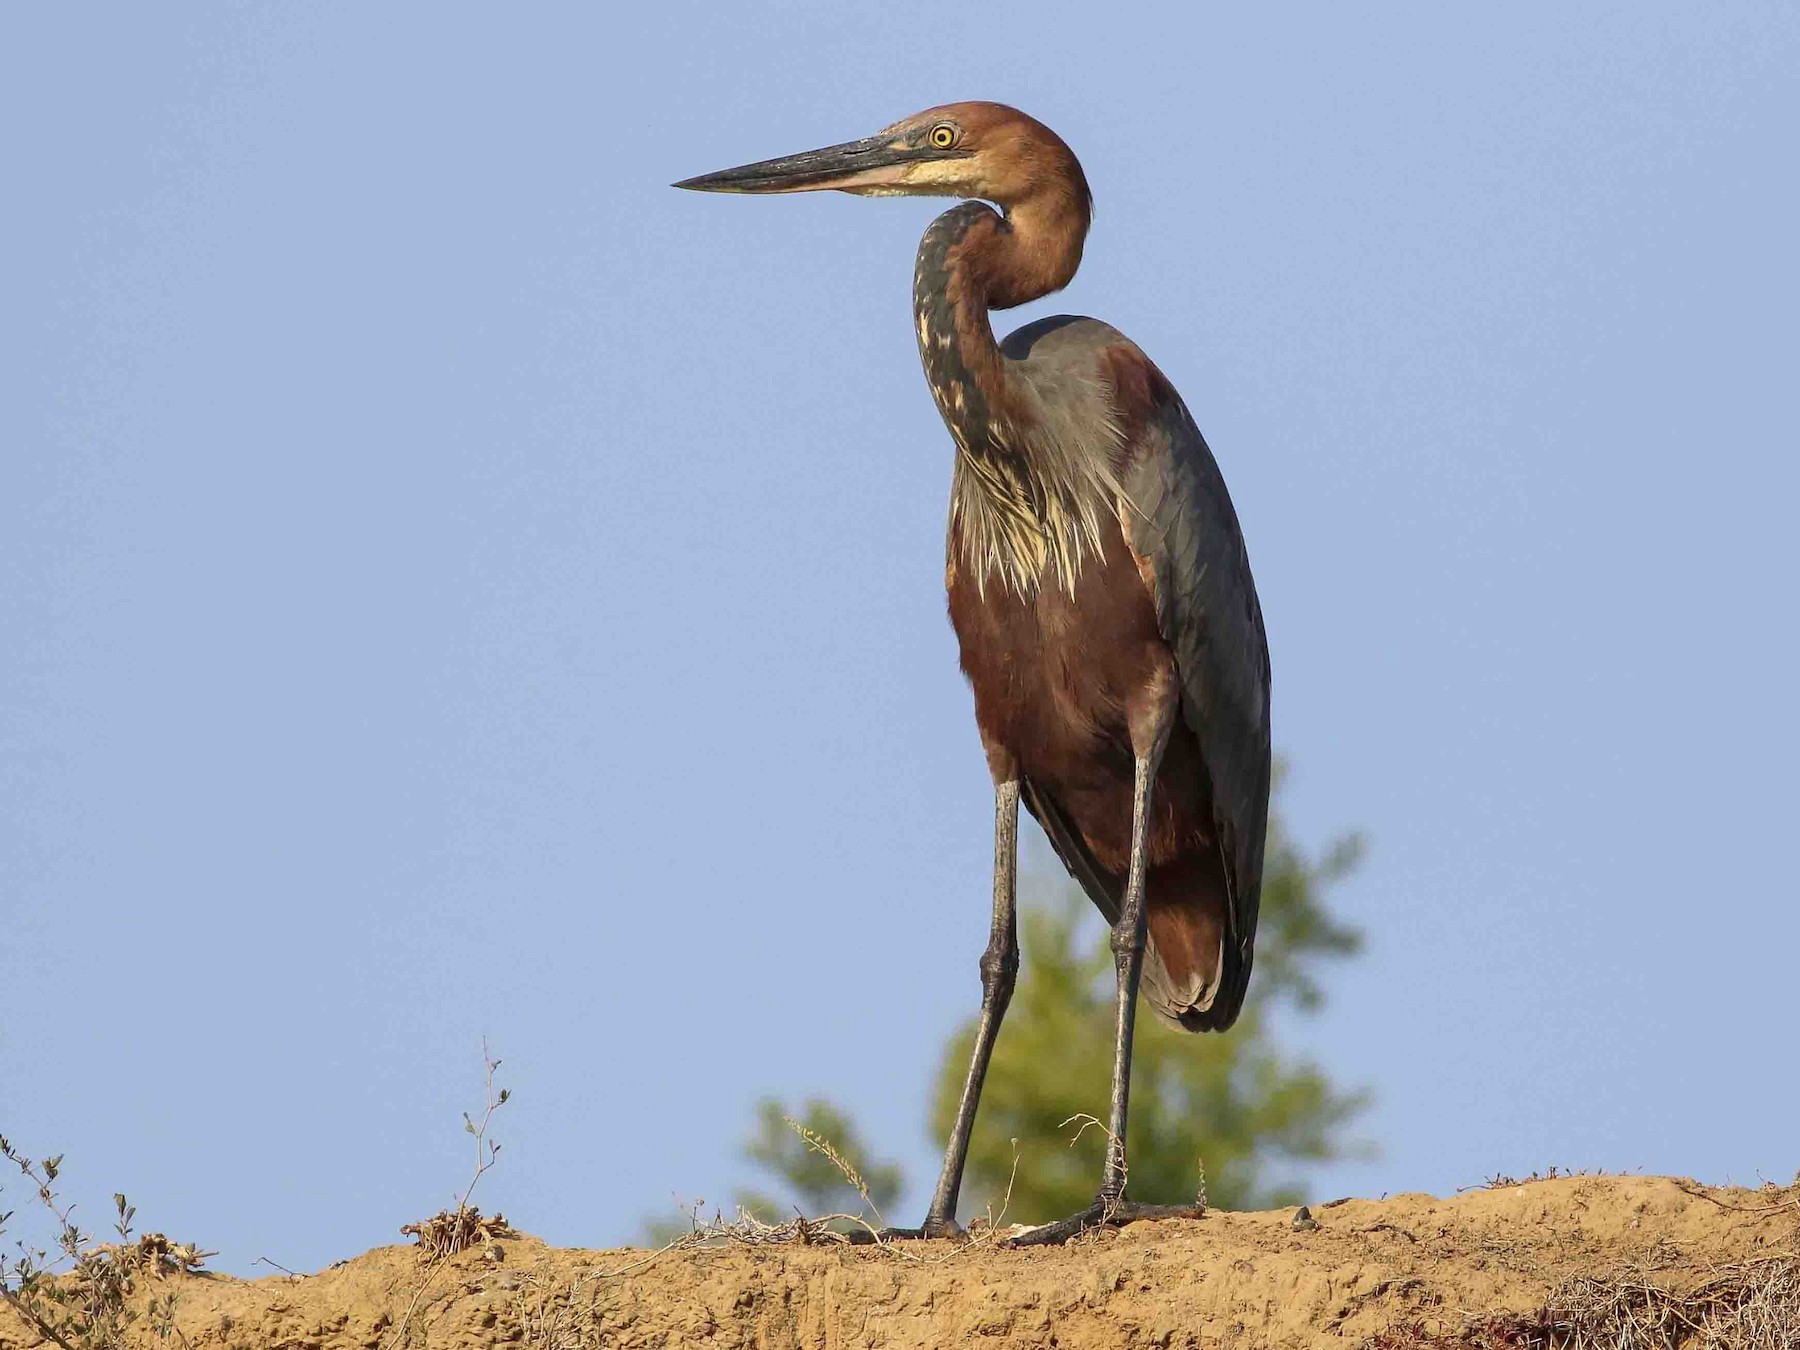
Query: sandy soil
[{"x": 1399, "y": 1271}]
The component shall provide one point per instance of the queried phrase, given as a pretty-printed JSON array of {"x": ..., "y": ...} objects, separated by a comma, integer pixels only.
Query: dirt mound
[{"x": 1627, "y": 1261}]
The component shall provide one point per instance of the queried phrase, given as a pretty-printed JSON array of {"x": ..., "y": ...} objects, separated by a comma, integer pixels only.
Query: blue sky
[{"x": 455, "y": 585}]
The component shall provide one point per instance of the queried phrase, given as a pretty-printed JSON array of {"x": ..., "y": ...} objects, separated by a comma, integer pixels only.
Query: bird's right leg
[
  {"x": 1150, "y": 725},
  {"x": 999, "y": 972}
]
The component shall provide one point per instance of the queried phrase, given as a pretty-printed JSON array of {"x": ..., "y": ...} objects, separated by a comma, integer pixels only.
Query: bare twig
[{"x": 1111, "y": 1138}]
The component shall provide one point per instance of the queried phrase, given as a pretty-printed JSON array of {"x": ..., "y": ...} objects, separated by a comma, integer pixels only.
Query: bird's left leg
[
  {"x": 1151, "y": 717},
  {"x": 999, "y": 969}
]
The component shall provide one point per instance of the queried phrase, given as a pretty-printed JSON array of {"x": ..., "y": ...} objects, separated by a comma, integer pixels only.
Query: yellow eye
[{"x": 943, "y": 135}]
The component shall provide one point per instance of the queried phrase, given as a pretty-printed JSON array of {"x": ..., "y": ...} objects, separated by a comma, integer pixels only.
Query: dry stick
[
  {"x": 1699, "y": 1193},
  {"x": 666, "y": 1248}
]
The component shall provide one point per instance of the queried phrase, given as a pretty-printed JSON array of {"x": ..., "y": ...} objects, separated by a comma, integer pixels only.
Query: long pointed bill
[{"x": 872, "y": 164}]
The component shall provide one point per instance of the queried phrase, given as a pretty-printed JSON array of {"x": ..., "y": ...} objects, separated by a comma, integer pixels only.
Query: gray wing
[{"x": 1180, "y": 522}]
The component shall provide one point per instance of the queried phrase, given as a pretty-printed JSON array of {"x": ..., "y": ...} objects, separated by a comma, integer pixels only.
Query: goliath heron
[{"x": 1099, "y": 588}]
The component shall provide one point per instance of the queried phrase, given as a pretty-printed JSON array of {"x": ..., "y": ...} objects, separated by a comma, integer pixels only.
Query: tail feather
[{"x": 1195, "y": 971}]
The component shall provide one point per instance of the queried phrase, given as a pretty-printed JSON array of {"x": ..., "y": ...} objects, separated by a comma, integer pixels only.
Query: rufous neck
[{"x": 1038, "y": 250}]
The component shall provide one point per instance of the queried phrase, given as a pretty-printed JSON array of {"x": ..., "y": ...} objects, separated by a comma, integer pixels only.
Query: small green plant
[
  {"x": 77, "y": 1297},
  {"x": 454, "y": 1230}
]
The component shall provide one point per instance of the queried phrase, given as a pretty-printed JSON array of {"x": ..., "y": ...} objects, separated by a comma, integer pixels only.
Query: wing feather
[
  {"x": 1181, "y": 525},
  {"x": 1098, "y": 396}
]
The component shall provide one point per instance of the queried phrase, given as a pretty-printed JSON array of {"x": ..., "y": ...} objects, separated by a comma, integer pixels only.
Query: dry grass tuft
[
  {"x": 453, "y": 1230},
  {"x": 819, "y": 1144},
  {"x": 1752, "y": 1305},
  {"x": 747, "y": 1230}
]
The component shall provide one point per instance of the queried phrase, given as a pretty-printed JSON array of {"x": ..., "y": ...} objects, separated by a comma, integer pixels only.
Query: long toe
[
  {"x": 931, "y": 1228},
  {"x": 1097, "y": 1215},
  {"x": 1055, "y": 1234}
]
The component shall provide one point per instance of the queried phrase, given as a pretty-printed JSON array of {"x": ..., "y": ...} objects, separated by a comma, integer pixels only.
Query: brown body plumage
[
  {"x": 1054, "y": 675},
  {"x": 1098, "y": 584}
]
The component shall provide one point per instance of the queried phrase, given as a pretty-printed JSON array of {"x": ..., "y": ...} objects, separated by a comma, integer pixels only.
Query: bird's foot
[
  {"x": 1103, "y": 1213},
  {"x": 931, "y": 1228}
]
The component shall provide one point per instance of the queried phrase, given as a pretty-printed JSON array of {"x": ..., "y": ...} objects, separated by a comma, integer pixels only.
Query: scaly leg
[
  {"x": 1128, "y": 964},
  {"x": 999, "y": 972}
]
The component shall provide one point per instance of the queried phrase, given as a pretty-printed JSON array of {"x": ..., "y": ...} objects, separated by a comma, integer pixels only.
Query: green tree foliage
[{"x": 1225, "y": 1112}]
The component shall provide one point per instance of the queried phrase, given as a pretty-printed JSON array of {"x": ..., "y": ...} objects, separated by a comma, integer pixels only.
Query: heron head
[{"x": 984, "y": 150}]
